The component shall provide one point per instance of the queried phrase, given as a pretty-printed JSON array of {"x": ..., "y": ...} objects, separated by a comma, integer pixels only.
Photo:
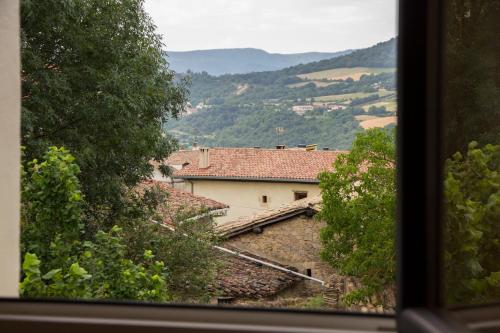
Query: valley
[{"x": 325, "y": 103}]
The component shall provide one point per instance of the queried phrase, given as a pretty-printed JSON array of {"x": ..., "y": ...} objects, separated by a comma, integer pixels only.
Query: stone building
[{"x": 289, "y": 235}]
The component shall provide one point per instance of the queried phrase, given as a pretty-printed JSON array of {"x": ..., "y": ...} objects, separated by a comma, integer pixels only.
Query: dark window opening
[
  {"x": 264, "y": 199},
  {"x": 308, "y": 272},
  {"x": 300, "y": 195}
]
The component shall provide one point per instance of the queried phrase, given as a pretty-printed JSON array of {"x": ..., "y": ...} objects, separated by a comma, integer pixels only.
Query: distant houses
[{"x": 302, "y": 109}]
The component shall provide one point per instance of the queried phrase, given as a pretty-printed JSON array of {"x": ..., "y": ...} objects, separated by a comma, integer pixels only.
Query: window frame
[
  {"x": 420, "y": 285},
  {"x": 419, "y": 308},
  {"x": 297, "y": 194}
]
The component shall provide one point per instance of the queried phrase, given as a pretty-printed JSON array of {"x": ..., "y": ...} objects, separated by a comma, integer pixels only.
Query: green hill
[{"x": 244, "y": 109}]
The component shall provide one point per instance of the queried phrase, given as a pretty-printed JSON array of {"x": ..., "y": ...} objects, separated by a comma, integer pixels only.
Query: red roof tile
[
  {"x": 181, "y": 157},
  {"x": 180, "y": 201},
  {"x": 241, "y": 278},
  {"x": 270, "y": 164}
]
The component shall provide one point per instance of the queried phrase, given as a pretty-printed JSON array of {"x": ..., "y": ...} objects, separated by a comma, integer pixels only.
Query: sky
[{"x": 277, "y": 26}]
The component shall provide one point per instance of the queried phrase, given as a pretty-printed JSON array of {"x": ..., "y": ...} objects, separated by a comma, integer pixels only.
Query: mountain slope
[
  {"x": 380, "y": 55},
  {"x": 232, "y": 61},
  {"x": 333, "y": 101}
]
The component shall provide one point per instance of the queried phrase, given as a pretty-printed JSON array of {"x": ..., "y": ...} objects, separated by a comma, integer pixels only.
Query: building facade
[{"x": 252, "y": 180}]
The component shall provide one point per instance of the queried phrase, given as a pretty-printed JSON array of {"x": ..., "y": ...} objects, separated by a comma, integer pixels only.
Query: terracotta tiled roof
[
  {"x": 270, "y": 164},
  {"x": 180, "y": 201},
  {"x": 242, "y": 278},
  {"x": 246, "y": 223},
  {"x": 182, "y": 156}
]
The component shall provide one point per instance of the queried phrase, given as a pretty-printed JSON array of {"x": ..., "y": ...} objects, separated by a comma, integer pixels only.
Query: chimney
[
  {"x": 280, "y": 146},
  {"x": 204, "y": 161},
  {"x": 195, "y": 146},
  {"x": 326, "y": 148}
]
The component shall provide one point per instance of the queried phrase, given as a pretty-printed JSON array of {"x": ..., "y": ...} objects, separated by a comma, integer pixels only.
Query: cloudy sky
[{"x": 284, "y": 26}]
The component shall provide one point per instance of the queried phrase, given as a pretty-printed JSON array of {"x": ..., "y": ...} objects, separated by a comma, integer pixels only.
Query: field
[
  {"x": 378, "y": 122},
  {"x": 390, "y": 105},
  {"x": 343, "y": 73},
  {"x": 364, "y": 117},
  {"x": 347, "y": 97}
]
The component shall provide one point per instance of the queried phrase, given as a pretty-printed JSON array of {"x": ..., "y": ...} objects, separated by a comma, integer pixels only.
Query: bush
[{"x": 472, "y": 229}]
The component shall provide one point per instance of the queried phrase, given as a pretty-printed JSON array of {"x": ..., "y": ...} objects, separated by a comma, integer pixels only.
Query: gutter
[{"x": 251, "y": 179}]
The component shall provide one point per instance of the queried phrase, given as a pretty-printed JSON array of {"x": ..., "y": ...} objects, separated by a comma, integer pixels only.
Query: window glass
[
  {"x": 471, "y": 146},
  {"x": 211, "y": 152}
]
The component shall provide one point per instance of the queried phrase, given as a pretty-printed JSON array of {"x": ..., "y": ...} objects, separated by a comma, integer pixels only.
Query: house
[
  {"x": 175, "y": 161},
  {"x": 301, "y": 109},
  {"x": 250, "y": 180},
  {"x": 183, "y": 203},
  {"x": 289, "y": 235}
]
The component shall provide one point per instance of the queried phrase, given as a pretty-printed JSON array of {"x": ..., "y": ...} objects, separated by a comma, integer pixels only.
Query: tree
[
  {"x": 359, "y": 210},
  {"x": 123, "y": 262},
  {"x": 95, "y": 81},
  {"x": 56, "y": 262},
  {"x": 471, "y": 100},
  {"x": 471, "y": 228}
]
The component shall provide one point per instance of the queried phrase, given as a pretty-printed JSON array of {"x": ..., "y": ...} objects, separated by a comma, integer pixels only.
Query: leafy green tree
[
  {"x": 56, "y": 262},
  {"x": 471, "y": 98},
  {"x": 472, "y": 228},
  {"x": 359, "y": 209},
  {"x": 186, "y": 244},
  {"x": 51, "y": 206},
  {"x": 94, "y": 80}
]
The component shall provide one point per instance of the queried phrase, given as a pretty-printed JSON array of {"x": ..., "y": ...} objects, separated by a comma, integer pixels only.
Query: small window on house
[
  {"x": 308, "y": 272},
  {"x": 300, "y": 195},
  {"x": 264, "y": 199}
]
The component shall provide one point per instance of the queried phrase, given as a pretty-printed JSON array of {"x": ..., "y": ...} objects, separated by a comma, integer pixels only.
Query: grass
[
  {"x": 343, "y": 73},
  {"x": 390, "y": 105}
]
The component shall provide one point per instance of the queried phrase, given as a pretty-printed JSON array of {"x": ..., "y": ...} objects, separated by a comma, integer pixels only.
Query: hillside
[
  {"x": 318, "y": 102},
  {"x": 233, "y": 61}
]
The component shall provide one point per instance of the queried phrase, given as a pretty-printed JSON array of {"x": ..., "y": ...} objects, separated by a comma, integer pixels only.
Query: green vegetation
[
  {"x": 94, "y": 81},
  {"x": 471, "y": 231},
  {"x": 57, "y": 263},
  {"x": 135, "y": 260},
  {"x": 359, "y": 207},
  {"x": 251, "y": 126},
  {"x": 243, "y": 110}
]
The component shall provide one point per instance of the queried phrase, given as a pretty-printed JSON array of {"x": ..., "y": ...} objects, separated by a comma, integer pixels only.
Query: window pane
[
  {"x": 472, "y": 151},
  {"x": 215, "y": 152}
]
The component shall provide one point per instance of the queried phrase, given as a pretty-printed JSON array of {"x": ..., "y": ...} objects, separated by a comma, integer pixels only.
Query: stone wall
[{"x": 294, "y": 242}]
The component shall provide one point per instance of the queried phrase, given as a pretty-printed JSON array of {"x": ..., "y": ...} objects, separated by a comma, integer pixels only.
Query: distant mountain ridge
[
  {"x": 382, "y": 54},
  {"x": 241, "y": 61}
]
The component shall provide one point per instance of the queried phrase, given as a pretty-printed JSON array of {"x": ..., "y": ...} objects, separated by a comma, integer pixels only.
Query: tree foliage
[
  {"x": 472, "y": 229},
  {"x": 472, "y": 74},
  {"x": 94, "y": 80},
  {"x": 57, "y": 263},
  {"x": 359, "y": 210}
]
